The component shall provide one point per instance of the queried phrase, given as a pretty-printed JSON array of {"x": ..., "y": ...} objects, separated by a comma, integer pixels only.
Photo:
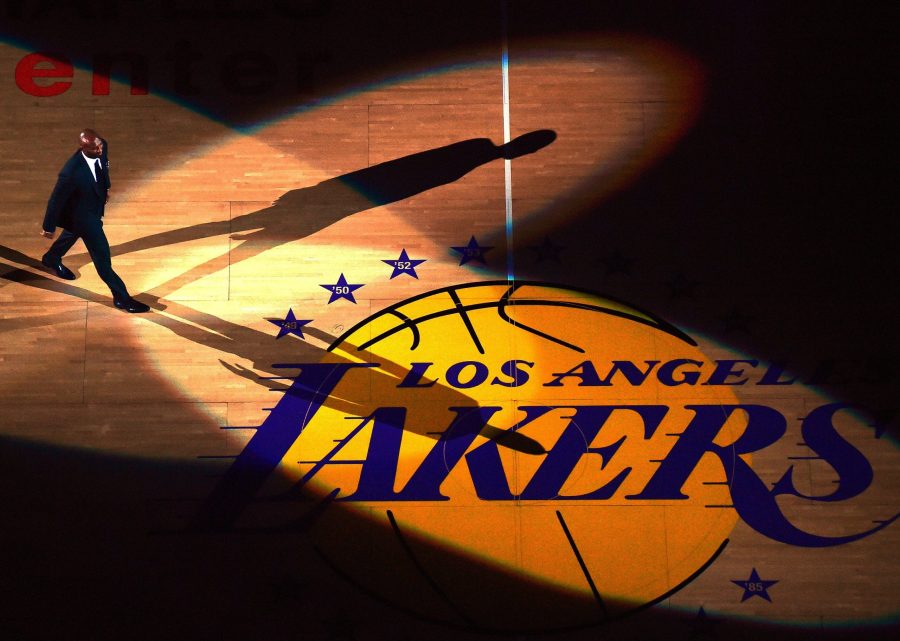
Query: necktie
[{"x": 97, "y": 170}]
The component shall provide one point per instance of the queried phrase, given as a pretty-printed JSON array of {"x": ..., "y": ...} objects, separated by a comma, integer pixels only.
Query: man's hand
[
  {"x": 107, "y": 195},
  {"x": 48, "y": 234}
]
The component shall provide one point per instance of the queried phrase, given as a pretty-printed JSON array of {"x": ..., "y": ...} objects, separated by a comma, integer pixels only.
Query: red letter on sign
[
  {"x": 103, "y": 64},
  {"x": 52, "y": 66}
]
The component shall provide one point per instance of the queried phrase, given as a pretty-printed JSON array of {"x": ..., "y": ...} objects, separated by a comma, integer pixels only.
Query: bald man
[{"x": 77, "y": 205}]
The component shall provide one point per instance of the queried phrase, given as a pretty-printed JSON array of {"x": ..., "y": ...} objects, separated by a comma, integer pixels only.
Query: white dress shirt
[{"x": 90, "y": 162}]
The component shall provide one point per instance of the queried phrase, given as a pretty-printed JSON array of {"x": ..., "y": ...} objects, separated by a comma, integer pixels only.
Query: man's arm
[
  {"x": 104, "y": 160},
  {"x": 61, "y": 193}
]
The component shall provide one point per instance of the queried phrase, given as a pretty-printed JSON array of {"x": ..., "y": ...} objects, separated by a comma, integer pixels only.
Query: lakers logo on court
[{"x": 555, "y": 440}]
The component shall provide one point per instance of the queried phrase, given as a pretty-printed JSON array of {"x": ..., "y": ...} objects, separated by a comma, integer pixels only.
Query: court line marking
[{"x": 507, "y": 163}]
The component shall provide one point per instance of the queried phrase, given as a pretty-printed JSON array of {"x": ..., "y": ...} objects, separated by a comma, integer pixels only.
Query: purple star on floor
[
  {"x": 342, "y": 289},
  {"x": 754, "y": 586},
  {"x": 472, "y": 251},
  {"x": 736, "y": 321},
  {"x": 548, "y": 250},
  {"x": 883, "y": 420},
  {"x": 404, "y": 265},
  {"x": 702, "y": 626},
  {"x": 616, "y": 263},
  {"x": 680, "y": 286},
  {"x": 290, "y": 325}
]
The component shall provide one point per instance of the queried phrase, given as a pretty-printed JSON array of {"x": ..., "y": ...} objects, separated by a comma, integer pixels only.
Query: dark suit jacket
[{"x": 78, "y": 200}]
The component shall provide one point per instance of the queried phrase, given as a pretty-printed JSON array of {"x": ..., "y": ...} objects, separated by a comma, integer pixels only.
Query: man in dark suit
[{"x": 77, "y": 204}]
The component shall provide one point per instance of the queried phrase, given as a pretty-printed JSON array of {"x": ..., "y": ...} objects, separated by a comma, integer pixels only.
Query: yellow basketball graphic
[{"x": 514, "y": 426}]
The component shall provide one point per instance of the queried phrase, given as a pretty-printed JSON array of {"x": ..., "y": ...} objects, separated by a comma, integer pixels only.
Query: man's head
[{"x": 90, "y": 142}]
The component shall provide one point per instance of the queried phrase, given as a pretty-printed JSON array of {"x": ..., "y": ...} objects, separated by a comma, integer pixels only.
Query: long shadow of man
[
  {"x": 295, "y": 215},
  {"x": 302, "y": 212}
]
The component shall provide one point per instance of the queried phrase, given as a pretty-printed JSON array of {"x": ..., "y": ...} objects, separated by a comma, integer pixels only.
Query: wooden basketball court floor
[{"x": 116, "y": 426}]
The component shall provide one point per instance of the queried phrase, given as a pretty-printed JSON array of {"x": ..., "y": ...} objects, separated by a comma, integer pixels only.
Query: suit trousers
[{"x": 98, "y": 247}]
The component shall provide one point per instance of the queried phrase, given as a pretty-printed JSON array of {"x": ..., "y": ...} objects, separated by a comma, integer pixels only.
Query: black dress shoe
[
  {"x": 59, "y": 269},
  {"x": 131, "y": 306}
]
